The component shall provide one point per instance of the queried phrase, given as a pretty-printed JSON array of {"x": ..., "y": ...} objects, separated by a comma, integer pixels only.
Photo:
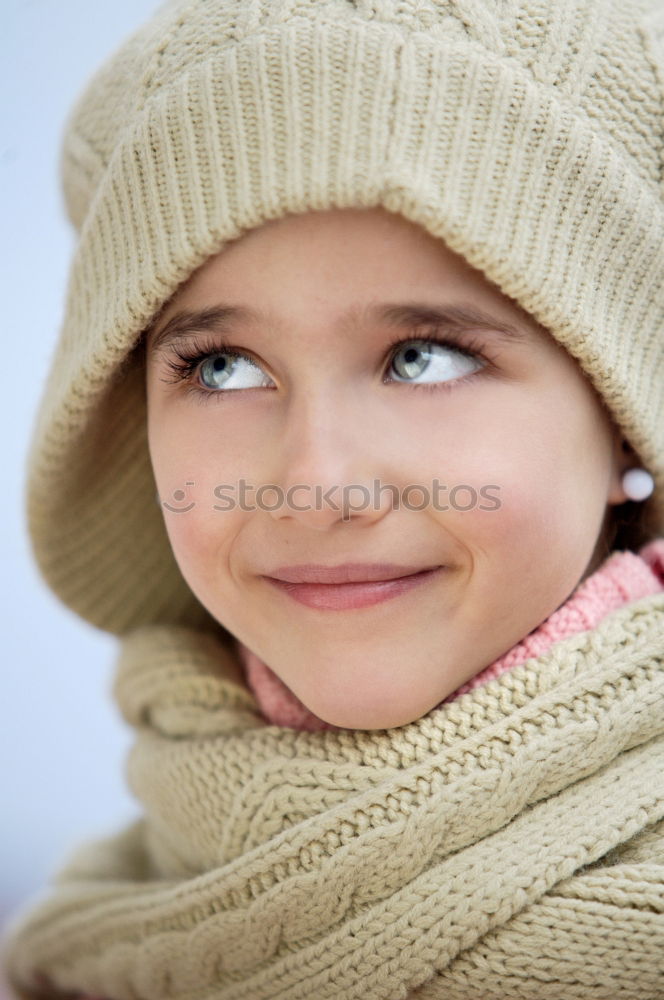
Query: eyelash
[{"x": 188, "y": 361}]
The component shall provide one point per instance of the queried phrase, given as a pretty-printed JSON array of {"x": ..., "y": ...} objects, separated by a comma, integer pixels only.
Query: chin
[
  {"x": 370, "y": 717},
  {"x": 358, "y": 698}
]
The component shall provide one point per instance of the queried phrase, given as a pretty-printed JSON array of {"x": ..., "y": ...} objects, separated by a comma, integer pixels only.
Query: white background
[{"x": 62, "y": 741}]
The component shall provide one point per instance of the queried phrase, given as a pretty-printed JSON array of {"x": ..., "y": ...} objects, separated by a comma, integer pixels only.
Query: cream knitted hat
[{"x": 527, "y": 134}]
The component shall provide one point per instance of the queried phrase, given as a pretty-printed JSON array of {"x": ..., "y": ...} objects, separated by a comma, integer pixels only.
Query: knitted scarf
[{"x": 510, "y": 843}]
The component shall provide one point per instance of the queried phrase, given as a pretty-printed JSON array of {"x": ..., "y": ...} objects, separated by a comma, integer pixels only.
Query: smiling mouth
[
  {"x": 355, "y": 594},
  {"x": 348, "y": 572}
]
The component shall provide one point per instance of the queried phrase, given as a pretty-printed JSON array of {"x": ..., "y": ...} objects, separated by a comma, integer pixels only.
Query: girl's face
[{"x": 487, "y": 453}]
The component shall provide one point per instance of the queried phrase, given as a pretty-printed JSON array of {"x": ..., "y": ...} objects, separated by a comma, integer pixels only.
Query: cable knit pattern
[
  {"x": 623, "y": 577},
  {"x": 525, "y": 818}
]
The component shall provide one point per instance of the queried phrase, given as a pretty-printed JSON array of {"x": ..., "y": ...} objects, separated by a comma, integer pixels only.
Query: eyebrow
[{"x": 407, "y": 315}]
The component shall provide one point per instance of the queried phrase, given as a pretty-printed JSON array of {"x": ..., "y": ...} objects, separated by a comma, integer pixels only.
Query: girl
[{"x": 368, "y": 297}]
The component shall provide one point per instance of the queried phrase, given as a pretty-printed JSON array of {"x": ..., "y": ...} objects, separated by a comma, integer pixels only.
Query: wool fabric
[
  {"x": 622, "y": 577},
  {"x": 508, "y": 844},
  {"x": 527, "y": 135}
]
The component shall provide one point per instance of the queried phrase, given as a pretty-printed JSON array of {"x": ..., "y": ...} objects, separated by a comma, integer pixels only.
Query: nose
[{"x": 328, "y": 465}]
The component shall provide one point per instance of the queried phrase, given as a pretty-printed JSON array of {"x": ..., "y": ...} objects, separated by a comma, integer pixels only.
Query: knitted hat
[{"x": 526, "y": 134}]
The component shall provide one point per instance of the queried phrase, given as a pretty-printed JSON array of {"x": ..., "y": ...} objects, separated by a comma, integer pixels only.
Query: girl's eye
[
  {"x": 225, "y": 370},
  {"x": 432, "y": 361},
  {"x": 210, "y": 369}
]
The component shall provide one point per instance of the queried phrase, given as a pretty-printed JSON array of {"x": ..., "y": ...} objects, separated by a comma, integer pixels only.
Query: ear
[{"x": 623, "y": 458}]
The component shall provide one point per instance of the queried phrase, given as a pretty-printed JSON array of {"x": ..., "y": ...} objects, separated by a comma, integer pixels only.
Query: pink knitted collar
[{"x": 622, "y": 578}]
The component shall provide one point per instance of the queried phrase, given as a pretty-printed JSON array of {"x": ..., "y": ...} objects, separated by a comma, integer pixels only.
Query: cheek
[
  {"x": 203, "y": 541},
  {"x": 523, "y": 486},
  {"x": 189, "y": 451},
  {"x": 188, "y": 466}
]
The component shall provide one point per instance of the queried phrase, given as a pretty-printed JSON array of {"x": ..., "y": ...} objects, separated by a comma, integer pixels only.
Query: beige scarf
[{"x": 508, "y": 844}]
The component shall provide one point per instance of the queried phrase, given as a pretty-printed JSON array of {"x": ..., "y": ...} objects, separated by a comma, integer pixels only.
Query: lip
[
  {"x": 349, "y": 572},
  {"x": 358, "y": 594}
]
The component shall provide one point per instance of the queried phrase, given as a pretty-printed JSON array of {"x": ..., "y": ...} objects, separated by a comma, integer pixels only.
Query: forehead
[{"x": 346, "y": 269}]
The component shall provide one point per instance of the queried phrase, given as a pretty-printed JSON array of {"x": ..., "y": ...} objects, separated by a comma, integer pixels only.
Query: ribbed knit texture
[
  {"x": 622, "y": 578},
  {"x": 508, "y": 844},
  {"x": 527, "y": 135}
]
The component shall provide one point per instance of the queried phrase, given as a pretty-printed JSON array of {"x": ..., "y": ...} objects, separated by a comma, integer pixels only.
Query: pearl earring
[{"x": 638, "y": 484}]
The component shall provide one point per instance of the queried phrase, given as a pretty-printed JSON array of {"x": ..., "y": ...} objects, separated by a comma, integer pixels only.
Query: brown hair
[{"x": 626, "y": 527}]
